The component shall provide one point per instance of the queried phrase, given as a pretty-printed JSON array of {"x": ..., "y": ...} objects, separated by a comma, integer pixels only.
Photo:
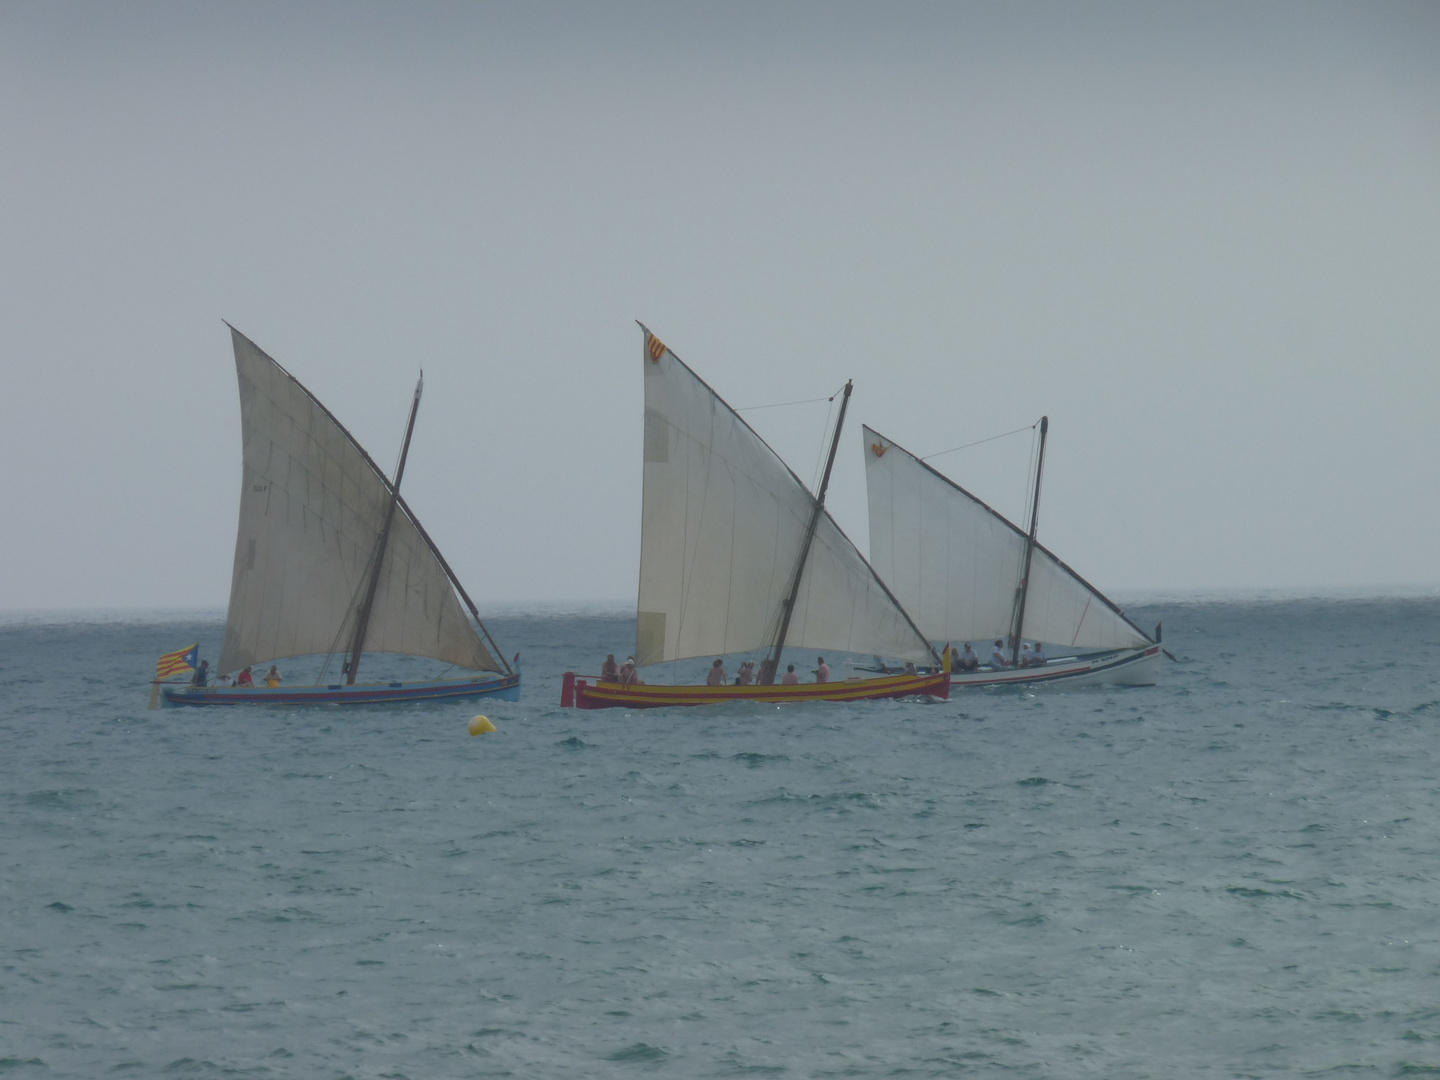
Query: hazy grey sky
[{"x": 1204, "y": 238}]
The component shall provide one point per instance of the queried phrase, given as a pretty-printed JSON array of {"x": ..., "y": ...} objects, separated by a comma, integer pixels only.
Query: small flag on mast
[{"x": 174, "y": 663}]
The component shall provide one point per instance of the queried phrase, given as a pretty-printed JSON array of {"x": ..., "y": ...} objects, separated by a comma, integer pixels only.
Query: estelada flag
[{"x": 174, "y": 663}]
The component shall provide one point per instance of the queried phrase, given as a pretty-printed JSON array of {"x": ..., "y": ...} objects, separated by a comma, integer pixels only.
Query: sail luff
[{"x": 354, "y": 442}]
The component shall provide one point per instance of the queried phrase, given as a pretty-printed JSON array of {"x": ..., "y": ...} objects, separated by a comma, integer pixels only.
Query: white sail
[
  {"x": 723, "y": 523},
  {"x": 312, "y": 507},
  {"x": 956, "y": 564}
]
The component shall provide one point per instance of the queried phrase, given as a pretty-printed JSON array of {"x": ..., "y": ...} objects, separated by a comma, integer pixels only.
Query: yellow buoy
[{"x": 481, "y": 725}]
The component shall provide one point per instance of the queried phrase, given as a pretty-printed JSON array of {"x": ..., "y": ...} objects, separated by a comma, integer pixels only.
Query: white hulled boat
[{"x": 968, "y": 574}]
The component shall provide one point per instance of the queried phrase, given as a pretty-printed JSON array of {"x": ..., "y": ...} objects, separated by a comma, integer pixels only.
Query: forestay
[
  {"x": 723, "y": 523},
  {"x": 955, "y": 564},
  {"x": 312, "y": 506}
]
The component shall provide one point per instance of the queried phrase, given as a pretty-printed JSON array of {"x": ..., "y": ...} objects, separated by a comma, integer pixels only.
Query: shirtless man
[
  {"x": 822, "y": 673},
  {"x": 790, "y": 679},
  {"x": 716, "y": 675}
]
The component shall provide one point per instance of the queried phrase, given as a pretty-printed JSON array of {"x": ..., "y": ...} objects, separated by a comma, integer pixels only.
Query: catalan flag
[{"x": 177, "y": 662}]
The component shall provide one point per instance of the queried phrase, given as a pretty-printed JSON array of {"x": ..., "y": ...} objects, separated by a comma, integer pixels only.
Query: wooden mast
[
  {"x": 770, "y": 666},
  {"x": 1029, "y": 550},
  {"x": 362, "y": 618}
]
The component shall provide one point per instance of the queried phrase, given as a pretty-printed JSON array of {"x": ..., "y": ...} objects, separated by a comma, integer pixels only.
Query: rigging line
[
  {"x": 783, "y": 404},
  {"x": 977, "y": 442},
  {"x": 820, "y": 453},
  {"x": 1031, "y": 478}
]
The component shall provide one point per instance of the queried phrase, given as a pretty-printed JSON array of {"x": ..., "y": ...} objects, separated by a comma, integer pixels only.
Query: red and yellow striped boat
[{"x": 582, "y": 693}]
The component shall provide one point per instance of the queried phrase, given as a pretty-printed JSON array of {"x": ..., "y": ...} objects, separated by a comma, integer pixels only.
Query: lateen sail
[
  {"x": 312, "y": 506},
  {"x": 955, "y": 563},
  {"x": 723, "y": 522}
]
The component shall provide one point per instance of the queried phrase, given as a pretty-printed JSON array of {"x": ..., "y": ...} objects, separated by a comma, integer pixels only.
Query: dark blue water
[{"x": 1231, "y": 874}]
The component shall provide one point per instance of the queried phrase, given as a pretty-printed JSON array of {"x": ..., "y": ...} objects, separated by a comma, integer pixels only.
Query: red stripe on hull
[{"x": 615, "y": 696}]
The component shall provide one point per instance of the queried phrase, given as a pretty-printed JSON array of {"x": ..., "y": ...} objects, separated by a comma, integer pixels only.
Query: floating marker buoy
[{"x": 481, "y": 725}]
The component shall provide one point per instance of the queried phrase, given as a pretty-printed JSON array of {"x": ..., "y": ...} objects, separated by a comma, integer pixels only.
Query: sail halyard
[
  {"x": 313, "y": 505},
  {"x": 945, "y": 552},
  {"x": 724, "y": 520},
  {"x": 362, "y": 618}
]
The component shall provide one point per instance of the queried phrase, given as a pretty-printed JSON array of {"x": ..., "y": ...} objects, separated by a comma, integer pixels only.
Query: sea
[{"x": 1233, "y": 873}]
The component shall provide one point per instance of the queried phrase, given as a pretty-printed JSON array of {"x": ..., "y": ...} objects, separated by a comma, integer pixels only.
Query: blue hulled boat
[{"x": 331, "y": 561}]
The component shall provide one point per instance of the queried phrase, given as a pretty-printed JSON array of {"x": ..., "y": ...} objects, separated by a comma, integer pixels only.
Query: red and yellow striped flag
[{"x": 181, "y": 660}]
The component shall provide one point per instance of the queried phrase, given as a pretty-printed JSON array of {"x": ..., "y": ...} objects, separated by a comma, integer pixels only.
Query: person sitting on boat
[
  {"x": 245, "y": 678},
  {"x": 969, "y": 660},
  {"x": 910, "y": 668},
  {"x": 201, "y": 675},
  {"x": 1037, "y": 655},
  {"x": 628, "y": 673},
  {"x": 716, "y": 675},
  {"x": 997, "y": 656},
  {"x": 746, "y": 674},
  {"x": 1027, "y": 655},
  {"x": 822, "y": 673},
  {"x": 609, "y": 671},
  {"x": 790, "y": 678},
  {"x": 767, "y": 672},
  {"x": 223, "y": 680},
  {"x": 272, "y": 677}
]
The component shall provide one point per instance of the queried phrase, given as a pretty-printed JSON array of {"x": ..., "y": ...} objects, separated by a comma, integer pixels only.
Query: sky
[{"x": 1204, "y": 239}]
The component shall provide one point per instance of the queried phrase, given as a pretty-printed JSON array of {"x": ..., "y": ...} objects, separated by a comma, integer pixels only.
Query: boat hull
[
  {"x": 583, "y": 694},
  {"x": 1126, "y": 667},
  {"x": 506, "y": 687}
]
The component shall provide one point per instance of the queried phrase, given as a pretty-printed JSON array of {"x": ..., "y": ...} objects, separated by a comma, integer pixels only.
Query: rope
[
  {"x": 802, "y": 401},
  {"x": 977, "y": 442}
]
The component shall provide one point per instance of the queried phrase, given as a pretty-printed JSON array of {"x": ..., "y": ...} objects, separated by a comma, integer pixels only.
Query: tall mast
[
  {"x": 362, "y": 617},
  {"x": 771, "y": 665},
  {"x": 1029, "y": 550}
]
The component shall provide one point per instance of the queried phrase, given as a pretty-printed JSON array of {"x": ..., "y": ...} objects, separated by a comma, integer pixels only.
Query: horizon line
[{"x": 616, "y": 607}]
